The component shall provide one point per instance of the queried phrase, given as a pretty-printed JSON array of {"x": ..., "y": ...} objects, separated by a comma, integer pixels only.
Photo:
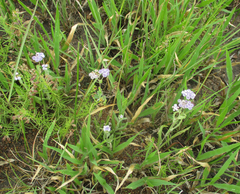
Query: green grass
[{"x": 154, "y": 50}]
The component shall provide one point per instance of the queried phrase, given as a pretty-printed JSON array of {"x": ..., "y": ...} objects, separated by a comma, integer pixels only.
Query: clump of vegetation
[{"x": 126, "y": 100}]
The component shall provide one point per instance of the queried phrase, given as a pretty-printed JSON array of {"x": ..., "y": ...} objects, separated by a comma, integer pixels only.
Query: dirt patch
[{"x": 21, "y": 167}]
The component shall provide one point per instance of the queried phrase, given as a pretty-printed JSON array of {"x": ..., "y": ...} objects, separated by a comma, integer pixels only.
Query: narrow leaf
[
  {"x": 48, "y": 135},
  {"x": 229, "y": 68},
  {"x": 232, "y": 188},
  {"x": 224, "y": 167},
  {"x": 139, "y": 110},
  {"x": 218, "y": 151},
  {"x": 103, "y": 182}
]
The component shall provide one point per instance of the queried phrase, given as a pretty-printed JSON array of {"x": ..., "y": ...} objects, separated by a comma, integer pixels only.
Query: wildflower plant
[
  {"x": 178, "y": 116},
  {"x": 185, "y": 104},
  {"x": 107, "y": 136},
  {"x": 96, "y": 75},
  {"x": 119, "y": 125}
]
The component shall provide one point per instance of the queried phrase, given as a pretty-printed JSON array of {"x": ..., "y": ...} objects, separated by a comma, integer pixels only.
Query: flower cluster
[
  {"x": 17, "y": 77},
  {"x": 38, "y": 57},
  {"x": 104, "y": 72},
  {"x": 44, "y": 67},
  {"x": 188, "y": 94},
  {"x": 96, "y": 73},
  {"x": 185, "y": 104}
]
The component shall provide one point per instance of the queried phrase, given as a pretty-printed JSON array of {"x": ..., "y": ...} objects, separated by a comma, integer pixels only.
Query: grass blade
[
  {"x": 231, "y": 188},
  {"x": 103, "y": 182},
  {"x": 229, "y": 68},
  {"x": 225, "y": 166},
  {"x": 218, "y": 151},
  {"x": 48, "y": 135}
]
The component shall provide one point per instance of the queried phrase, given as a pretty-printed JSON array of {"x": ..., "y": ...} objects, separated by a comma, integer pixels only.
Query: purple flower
[
  {"x": 44, "y": 66},
  {"x": 17, "y": 77},
  {"x": 175, "y": 107},
  {"x": 38, "y": 57},
  {"x": 120, "y": 116},
  {"x": 188, "y": 94},
  {"x": 185, "y": 104},
  {"x": 190, "y": 105},
  {"x": 104, "y": 72},
  {"x": 107, "y": 128}
]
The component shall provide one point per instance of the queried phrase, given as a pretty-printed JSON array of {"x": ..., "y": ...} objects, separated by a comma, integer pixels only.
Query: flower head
[
  {"x": 107, "y": 128},
  {"x": 175, "y": 107},
  {"x": 94, "y": 74},
  {"x": 188, "y": 94},
  {"x": 17, "y": 77},
  {"x": 185, "y": 104},
  {"x": 38, "y": 57},
  {"x": 104, "y": 72},
  {"x": 45, "y": 67},
  {"x": 120, "y": 116}
]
